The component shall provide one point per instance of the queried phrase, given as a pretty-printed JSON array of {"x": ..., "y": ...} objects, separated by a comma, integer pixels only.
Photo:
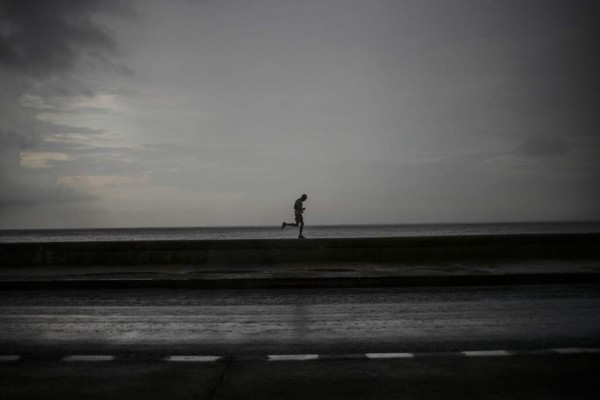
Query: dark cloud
[
  {"x": 43, "y": 38},
  {"x": 41, "y": 44}
]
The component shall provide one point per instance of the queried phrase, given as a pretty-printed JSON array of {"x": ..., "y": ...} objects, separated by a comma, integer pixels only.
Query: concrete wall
[{"x": 406, "y": 249}]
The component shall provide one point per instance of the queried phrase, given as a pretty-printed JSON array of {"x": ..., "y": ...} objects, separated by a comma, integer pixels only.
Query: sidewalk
[{"x": 295, "y": 275}]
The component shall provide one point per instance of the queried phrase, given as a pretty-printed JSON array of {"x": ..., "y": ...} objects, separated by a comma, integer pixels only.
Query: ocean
[{"x": 275, "y": 232}]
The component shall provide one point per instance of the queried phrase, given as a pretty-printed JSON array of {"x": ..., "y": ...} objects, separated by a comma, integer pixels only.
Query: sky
[{"x": 223, "y": 112}]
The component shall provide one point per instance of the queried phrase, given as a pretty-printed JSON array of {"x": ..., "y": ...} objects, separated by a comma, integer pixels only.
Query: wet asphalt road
[{"x": 327, "y": 321}]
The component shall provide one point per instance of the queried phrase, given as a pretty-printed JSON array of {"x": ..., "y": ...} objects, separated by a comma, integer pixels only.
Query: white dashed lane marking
[
  {"x": 88, "y": 358},
  {"x": 574, "y": 350},
  {"x": 486, "y": 353},
  {"x": 389, "y": 355},
  {"x": 9, "y": 358},
  {"x": 293, "y": 357},
  {"x": 308, "y": 357},
  {"x": 193, "y": 358}
]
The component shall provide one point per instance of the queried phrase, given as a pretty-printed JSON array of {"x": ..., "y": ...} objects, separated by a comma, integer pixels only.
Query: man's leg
[
  {"x": 288, "y": 224},
  {"x": 300, "y": 221}
]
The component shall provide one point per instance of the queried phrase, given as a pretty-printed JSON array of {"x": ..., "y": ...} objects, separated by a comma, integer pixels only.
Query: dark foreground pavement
[{"x": 517, "y": 377}]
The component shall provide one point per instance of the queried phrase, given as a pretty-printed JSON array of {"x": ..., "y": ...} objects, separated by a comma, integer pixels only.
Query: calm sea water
[{"x": 275, "y": 232}]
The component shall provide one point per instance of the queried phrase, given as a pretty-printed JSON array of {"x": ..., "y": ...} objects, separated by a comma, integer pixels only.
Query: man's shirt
[{"x": 298, "y": 206}]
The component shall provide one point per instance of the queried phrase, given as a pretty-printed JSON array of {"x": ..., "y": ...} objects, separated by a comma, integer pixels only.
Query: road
[{"x": 427, "y": 329}]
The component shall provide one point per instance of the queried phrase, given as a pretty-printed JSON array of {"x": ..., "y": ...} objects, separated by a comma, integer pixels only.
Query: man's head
[{"x": 304, "y": 197}]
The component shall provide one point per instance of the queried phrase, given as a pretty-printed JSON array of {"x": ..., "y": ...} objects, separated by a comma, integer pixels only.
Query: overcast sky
[{"x": 223, "y": 112}]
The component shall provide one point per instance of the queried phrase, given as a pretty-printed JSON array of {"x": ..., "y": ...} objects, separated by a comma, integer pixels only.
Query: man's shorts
[{"x": 299, "y": 219}]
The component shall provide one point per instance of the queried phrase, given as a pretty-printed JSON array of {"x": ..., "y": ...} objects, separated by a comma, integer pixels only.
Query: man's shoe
[{"x": 301, "y": 237}]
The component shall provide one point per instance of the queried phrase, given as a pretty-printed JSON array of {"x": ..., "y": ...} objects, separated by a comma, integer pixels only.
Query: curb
[{"x": 305, "y": 283}]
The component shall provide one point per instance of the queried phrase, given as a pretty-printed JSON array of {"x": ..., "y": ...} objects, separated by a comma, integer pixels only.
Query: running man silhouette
[{"x": 298, "y": 210}]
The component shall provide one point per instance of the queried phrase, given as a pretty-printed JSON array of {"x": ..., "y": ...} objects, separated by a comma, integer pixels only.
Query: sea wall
[{"x": 401, "y": 249}]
